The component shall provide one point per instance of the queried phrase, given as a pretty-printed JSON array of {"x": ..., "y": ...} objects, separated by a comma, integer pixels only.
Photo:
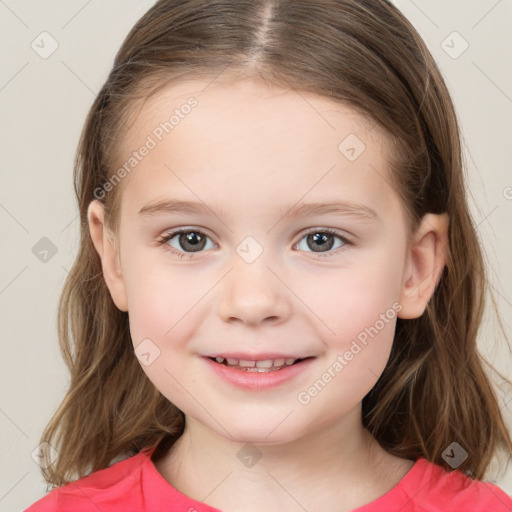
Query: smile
[
  {"x": 257, "y": 374},
  {"x": 267, "y": 365}
]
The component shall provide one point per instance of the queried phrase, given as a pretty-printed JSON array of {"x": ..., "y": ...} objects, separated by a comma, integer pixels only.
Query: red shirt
[{"x": 135, "y": 485}]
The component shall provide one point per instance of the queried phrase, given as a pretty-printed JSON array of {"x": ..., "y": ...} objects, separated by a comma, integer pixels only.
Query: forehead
[
  {"x": 253, "y": 144},
  {"x": 247, "y": 102}
]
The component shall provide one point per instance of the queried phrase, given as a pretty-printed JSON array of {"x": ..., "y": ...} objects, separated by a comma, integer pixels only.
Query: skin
[{"x": 247, "y": 151}]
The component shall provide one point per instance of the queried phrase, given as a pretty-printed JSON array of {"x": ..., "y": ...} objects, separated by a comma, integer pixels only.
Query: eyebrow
[{"x": 345, "y": 208}]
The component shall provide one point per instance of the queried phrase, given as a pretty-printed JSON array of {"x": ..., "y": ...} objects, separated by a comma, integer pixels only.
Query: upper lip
[{"x": 256, "y": 357}]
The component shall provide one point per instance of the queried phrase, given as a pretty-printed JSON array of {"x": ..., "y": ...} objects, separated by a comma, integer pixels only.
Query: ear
[
  {"x": 109, "y": 253},
  {"x": 425, "y": 262}
]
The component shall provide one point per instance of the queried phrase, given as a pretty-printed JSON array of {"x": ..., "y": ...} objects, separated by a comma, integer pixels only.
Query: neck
[{"x": 339, "y": 465}]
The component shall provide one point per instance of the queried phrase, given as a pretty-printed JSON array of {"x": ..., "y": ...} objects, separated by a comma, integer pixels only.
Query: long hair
[{"x": 364, "y": 53}]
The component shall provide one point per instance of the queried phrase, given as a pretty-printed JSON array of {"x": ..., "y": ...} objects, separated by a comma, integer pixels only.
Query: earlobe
[
  {"x": 425, "y": 262},
  {"x": 109, "y": 254}
]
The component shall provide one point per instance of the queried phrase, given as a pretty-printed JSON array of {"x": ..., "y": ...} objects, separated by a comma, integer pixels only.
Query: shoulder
[
  {"x": 431, "y": 485},
  {"x": 115, "y": 485}
]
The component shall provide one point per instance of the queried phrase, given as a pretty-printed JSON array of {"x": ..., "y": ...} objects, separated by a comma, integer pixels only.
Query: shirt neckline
[{"x": 397, "y": 492}]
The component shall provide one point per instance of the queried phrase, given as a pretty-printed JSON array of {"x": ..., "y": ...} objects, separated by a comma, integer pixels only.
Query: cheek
[
  {"x": 361, "y": 322},
  {"x": 161, "y": 303},
  {"x": 348, "y": 300},
  {"x": 163, "y": 316},
  {"x": 358, "y": 308}
]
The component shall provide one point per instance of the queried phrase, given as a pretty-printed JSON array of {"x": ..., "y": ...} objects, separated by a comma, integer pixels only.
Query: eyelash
[{"x": 165, "y": 238}]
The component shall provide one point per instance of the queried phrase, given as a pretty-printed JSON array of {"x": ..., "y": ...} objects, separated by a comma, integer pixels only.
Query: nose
[{"x": 251, "y": 294}]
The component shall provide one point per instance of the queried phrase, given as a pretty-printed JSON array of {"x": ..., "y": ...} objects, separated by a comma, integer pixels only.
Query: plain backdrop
[{"x": 44, "y": 100}]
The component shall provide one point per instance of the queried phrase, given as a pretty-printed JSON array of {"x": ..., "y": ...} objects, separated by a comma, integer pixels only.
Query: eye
[
  {"x": 186, "y": 241},
  {"x": 322, "y": 240},
  {"x": 318, "y": 240}
]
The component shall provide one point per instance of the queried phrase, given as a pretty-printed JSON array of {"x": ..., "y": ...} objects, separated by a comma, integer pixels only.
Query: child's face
[{"x": 257, "y": 284}]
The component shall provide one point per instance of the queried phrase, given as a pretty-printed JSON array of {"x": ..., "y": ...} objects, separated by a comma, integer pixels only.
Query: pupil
[
  {"x": 192, "y": 241},
  {"x": 320, "y": 238}
]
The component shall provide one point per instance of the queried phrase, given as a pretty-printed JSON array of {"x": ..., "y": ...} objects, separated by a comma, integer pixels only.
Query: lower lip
[{"x": 258, "y": 380}]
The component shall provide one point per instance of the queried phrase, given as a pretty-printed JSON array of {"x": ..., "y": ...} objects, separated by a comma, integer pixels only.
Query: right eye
[{"x": 185, "y": 241}]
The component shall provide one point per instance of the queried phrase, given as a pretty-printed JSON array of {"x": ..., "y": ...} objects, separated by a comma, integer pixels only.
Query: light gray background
[{"x": 43, "y": 104}]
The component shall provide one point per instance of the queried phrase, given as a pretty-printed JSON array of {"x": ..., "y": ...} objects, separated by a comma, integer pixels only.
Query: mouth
[{"x": 261, "y": 366}]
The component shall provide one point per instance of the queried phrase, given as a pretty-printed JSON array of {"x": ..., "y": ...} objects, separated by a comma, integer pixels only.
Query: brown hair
[{"x": 365, "y": 54}]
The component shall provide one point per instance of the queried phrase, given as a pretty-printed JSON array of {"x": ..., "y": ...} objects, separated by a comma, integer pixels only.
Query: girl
[{"x": 279, "y": 285}]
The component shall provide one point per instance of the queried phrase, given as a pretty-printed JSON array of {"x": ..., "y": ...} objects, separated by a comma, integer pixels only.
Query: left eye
[{"x": 322, "y": 240}]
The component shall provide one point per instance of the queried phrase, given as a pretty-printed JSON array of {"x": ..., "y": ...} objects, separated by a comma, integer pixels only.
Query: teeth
[
  {"x": 265, "y": 364},
  {"x": 257, "y": 366}
]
